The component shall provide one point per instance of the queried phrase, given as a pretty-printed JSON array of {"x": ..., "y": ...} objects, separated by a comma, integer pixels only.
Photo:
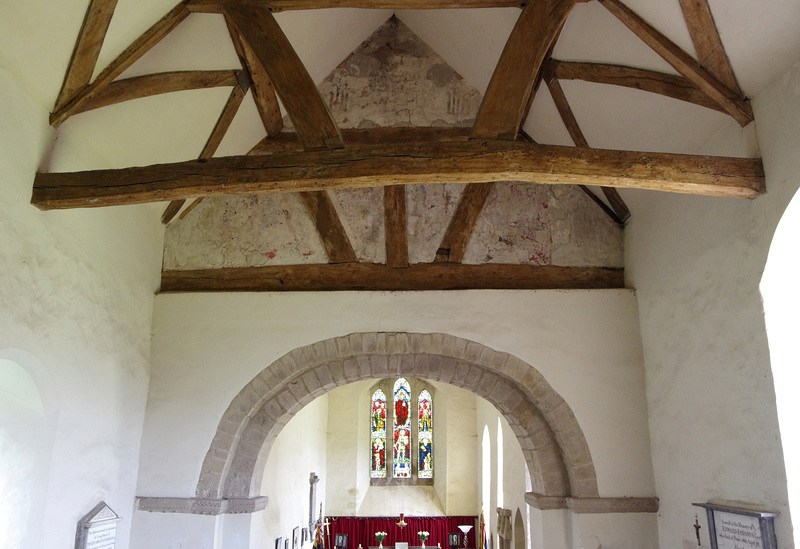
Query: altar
[{"x": 399, "y": 533}]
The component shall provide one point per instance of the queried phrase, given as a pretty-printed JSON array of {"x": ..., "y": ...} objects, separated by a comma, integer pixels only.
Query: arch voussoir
[{"x": 552, "y": 442}]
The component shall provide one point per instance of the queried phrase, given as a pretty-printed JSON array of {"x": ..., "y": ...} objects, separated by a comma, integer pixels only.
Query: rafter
[
  {"x": 313, "y": 121},
  {"x": 619, "y": 211},
  {"x": 218, "y": 6},
  {"x": 503, "y": 107},
  {"x": 156, "y": 84},
  {"x": 470, "y": 162},
  {"x": 334, "y": 238},
  {"x": 462, "y": 224},
  {"x": 396, "y": 225},
  {"x": 708, "y": 43},
  {"x": 373, "y": 277},
  {"x": 127, "y": 58},
  {"x": 676, "y": 87},
  {"x": 682, "y": 62},
  {"x": 263, "y": 91},
  {"x": 310, "y": 116},
  {"x": 87, "y": 49},
  {"x": 214, "y": 140}
]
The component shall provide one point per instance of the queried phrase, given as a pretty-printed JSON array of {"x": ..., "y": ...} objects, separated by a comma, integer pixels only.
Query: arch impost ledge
[
  {"x": 201, "y": 506},
  {"x": 543, "y": 422},
  {"x": 593, "y": 505}
]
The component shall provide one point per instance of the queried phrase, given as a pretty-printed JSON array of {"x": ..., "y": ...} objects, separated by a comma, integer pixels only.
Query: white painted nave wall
[
  {"x": 75, "y": 312},
  {"x": 207, "y": 347},
  {"x": 299, "y": 450},
  {"x": 696, "y": 264}
]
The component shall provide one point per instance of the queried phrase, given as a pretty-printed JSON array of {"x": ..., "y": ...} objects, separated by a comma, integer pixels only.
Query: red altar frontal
[{"x": 361, "y": 531}]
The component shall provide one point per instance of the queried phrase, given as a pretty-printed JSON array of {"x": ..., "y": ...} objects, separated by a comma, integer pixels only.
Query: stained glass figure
[
  {"x": 402, "y": 429},
  {"x": 425, "y": 405},
  {"x": 378, "y": 469}
]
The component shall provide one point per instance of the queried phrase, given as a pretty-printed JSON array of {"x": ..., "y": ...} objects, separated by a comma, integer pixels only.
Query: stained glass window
[
  {"x": 425, "y": 408},
  {"x": 402, "y": 429},
  {"x": 378, "y": 429}
]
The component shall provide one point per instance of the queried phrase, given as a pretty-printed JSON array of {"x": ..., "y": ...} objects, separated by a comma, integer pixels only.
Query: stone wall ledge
[
  {"x": 201, "y": 506},
  {"x": 593, "y": 505}
]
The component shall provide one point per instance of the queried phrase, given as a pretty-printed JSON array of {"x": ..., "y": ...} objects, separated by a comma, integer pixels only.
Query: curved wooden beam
[
  {"x": 738, "y": 107},
  {"x": 676, "y": 87},
  {"x": 127, "y": 58},
  {"x": 157, "y": 84}
]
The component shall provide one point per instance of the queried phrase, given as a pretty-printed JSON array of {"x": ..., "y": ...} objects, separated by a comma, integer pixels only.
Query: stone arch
[{"x": 552, "y": 442}]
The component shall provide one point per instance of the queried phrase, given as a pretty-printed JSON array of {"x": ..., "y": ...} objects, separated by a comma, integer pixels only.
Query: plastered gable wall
[
  {"x": 75, "y": 311},
  {"x": 696, "y": 265},
  {"x": 394, "y": 79}
]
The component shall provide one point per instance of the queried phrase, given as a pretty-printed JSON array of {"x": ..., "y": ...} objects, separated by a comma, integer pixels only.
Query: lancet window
[{"x": 401, "y": 431}]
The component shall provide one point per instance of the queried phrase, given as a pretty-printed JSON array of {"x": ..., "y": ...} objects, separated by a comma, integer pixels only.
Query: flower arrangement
[
  {"x": 423, "y": 535},
  {"x": 380, "y": 536}
]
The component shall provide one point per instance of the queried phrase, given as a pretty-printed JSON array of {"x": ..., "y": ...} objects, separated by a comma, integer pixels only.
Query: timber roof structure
[{"x": 604, "y": 95}]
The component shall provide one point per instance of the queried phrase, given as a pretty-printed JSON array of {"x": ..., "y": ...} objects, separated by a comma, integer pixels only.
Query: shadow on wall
[{"x": 26, "y": 444}]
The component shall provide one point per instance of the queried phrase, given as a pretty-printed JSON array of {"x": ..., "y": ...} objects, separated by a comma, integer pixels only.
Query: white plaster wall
[
  {"x": 207, "y": 347},
  {"x": 348, "y": 433},
  {"x": 75, "y": 311},
  {"x": 696, "y": 264},
  {"x": 299, "y": 450},
  {"x": 456, "y": 408}
]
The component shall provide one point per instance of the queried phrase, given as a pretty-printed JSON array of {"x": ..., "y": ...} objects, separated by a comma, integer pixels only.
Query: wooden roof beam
[
  {"x": 161, "y": 83},
  {"x": 738, "y": 107},
  {"x": 374, "y": 277},
  {"x": 359, "y": 137},
  {"x": 331, "y": 231},
  {"x": 127, "y": 58},
  {"x": 219, "y": 6},
  {"x": 708, "y": 43},
  {"x": 669, "y": 85},
  {"x": 619, "y": 211},
  {"x": 505, "y": 106},
  {"x": 87, "y": 49},
  {"x": 214, "y": 140},
  {"x": 470, "y": 162},
  {"x": 395, "y": 225},
  {"x": 310, "y": 116},
  {"x": 263, "y": 91}
]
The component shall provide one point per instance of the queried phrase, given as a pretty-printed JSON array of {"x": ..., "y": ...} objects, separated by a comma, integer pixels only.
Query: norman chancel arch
[{"x": 555, "y": 449}]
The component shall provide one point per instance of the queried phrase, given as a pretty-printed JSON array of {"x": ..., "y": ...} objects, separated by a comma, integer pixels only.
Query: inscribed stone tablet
[
  {"x": 97, "y": 529},
  {"x": 737, "y": 531},
  {"x": 102, "y": 536}
]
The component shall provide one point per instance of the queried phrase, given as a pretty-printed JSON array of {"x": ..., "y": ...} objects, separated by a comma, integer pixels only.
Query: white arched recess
[
  {"x": 27, "y": 435},
  {"x": 555, "y": 449}
]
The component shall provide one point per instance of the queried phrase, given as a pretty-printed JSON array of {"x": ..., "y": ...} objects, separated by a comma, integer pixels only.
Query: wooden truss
[{"x": 319, "y": 156}]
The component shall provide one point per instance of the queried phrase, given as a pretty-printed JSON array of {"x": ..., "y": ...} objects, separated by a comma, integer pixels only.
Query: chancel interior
[{"x": 276, "y": 271}]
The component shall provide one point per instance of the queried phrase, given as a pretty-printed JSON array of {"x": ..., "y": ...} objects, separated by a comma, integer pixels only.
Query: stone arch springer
[{"x": 552, "y": 442}]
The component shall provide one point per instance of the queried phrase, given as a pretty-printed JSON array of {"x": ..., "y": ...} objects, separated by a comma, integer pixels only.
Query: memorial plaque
[
  {"x": 97, "y": 529},
  {"x": 733, "y": 528}
]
